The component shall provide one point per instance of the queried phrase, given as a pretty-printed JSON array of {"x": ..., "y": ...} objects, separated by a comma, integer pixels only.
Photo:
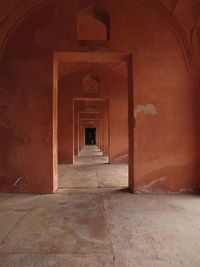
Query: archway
[{"x": 100, "y": 58}]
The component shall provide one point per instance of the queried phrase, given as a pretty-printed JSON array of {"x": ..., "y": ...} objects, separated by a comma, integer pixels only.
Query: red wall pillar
[
  {"x": 76, "y": 131},
  {"x": 65, "y": 128}
]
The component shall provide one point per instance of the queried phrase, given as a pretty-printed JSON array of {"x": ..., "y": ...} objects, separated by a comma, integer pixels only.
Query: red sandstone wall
[
  {"x": 166, "y": 154},
  {"x": 65, "y": 127}
]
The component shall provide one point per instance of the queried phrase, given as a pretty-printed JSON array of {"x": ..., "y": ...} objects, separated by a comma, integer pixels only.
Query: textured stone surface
[
  {"x": 154, "y": 230},
  {"x": 61, "y": 224},
  {"x": 111, "y": 175},
  {"x": 77, "y": 176},
  {"x": 8, "y": 221},
  {"x": 100, "y": 227},
  {"x": 90, "y": 170},
  {"x": 51, "y": 260}
]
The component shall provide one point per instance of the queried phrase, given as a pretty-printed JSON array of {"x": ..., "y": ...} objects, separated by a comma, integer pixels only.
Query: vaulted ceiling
[
  {"x": 176, "y": 7},
  {"x": 183, "y": 15}
]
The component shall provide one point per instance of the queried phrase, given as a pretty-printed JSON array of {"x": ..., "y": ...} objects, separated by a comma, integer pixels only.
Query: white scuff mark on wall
[
  {"x": 147, "y": 188},
  {"x": 147, "y": 109},
  {"x": 121, "y": 158},
  {"x": 186, "y": 190},
  {"x": 17, "y": 181}
]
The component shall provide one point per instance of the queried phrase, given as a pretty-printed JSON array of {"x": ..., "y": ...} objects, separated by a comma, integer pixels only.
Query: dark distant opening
[{"x": 90, "y": 136}]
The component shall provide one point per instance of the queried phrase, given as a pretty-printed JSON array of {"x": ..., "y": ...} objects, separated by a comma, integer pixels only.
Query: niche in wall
[
  {"x": 93, "y": 24},
  {"x": 90, "y": 85}
]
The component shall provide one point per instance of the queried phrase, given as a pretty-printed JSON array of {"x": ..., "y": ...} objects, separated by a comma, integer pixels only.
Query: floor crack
[
  {"x": 98, "y": 180},
  {"x": 20, "y": 220},
  {"x": 108, "y": 231}
]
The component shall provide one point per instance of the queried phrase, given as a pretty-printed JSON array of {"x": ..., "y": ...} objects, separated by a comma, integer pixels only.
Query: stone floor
[
  {"x": 91, "y": 170},
  {"x": 99, "y": 227}
]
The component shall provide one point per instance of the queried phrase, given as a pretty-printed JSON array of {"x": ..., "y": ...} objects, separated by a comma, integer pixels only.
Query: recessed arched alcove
[
  {"x": 93, "y": 23},
  {"x": 90, "y": 84}
]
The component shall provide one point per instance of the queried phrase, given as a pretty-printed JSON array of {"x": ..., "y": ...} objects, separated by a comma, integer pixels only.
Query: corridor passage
[{"x": 91, "y": 169}]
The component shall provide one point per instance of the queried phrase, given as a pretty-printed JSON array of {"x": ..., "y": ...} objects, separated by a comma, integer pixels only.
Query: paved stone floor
[
  {"x": 91, "y": 170},
  {"x": 99, "y": 226}
]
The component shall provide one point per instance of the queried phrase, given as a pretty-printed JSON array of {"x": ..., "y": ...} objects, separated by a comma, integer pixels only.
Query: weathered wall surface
[{"x": 166, "y": 90}]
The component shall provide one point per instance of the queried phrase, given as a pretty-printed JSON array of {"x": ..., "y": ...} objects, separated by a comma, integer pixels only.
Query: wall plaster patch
[{"x": 147, "y": 109}]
